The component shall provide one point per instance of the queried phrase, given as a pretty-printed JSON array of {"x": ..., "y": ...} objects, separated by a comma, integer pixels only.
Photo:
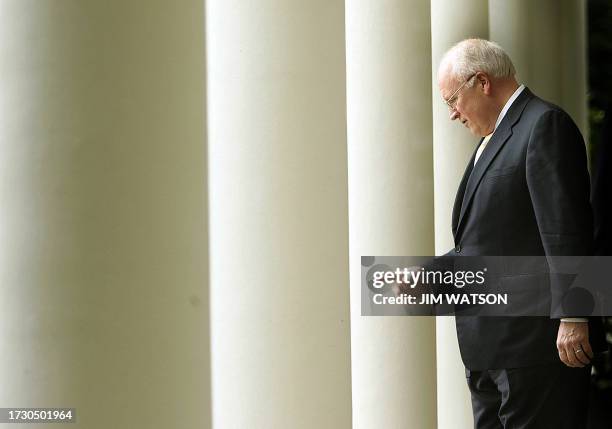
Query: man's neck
[{"x": 505, "y": 88}]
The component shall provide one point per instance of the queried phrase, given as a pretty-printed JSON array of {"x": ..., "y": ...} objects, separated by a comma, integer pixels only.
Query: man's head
[{"x": 476, "y": 78}]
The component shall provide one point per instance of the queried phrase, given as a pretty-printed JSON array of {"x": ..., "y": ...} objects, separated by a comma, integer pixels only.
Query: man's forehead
[
  {"x": 444, "y": 72},
  {"x": 446, "y": 84}
]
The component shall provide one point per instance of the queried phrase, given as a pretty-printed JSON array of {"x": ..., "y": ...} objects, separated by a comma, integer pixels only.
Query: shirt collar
[{"x": 511, "y": 100}]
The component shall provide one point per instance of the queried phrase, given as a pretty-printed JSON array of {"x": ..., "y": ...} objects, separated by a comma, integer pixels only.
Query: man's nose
[{"x": 453, "y": 114}]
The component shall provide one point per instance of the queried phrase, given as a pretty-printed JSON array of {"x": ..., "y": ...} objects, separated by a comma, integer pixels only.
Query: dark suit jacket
[
  {"x": 528, "y": 195},
  {"x": 601, "y": 195}
]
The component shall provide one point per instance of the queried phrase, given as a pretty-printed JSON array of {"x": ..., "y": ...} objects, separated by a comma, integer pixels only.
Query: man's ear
[{"x": 484, "y": 83}]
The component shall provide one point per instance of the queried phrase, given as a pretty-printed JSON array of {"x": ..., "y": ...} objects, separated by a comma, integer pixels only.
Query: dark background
[{"x": 600, "y": 101}]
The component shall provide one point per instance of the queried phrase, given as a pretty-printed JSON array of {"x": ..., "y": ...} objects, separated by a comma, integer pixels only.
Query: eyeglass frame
[{"x": 447, "y": 101}]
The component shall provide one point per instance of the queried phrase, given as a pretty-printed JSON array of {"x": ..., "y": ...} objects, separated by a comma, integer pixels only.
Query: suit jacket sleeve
[{"x": 558, "y": 182}]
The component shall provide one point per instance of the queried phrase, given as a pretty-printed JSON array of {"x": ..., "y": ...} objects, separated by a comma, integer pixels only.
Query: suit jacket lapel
[{"x": 499, "y": 138}]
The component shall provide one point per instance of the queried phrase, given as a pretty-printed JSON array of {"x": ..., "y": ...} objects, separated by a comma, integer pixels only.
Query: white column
[
  {"x": 278, "y": 214},
  {"x": 451, "y": 22},
  {"x": 573, "y": 67},
  {"x": 546, "y": 40},
  {"x": 103, "y": 251},
  {"x": 391, "y": 204},
  {"x": 529, "y": 32}
]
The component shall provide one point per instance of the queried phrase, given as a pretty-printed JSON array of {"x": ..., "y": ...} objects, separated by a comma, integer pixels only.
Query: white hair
[{"x": 476, "y": 55}]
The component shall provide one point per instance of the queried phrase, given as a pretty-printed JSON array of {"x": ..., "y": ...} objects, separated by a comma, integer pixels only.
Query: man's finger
[
  {"x": 399, "y": 288},
  {"x": 563, "y": 357},
  {"x": 570, "y": 357},
  {"x": 586, "y": 346},
  {"x": 581, "y": 355},
  {"x": 396, "y": 289}
]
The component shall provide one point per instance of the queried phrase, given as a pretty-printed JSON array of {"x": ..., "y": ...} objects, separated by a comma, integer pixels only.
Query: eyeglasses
[{"x": 451, "y": 101}]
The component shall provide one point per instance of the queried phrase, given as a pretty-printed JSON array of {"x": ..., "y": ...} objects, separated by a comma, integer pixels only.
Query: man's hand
[
  {"x": 408, "y": 288},
  {"x": 573, "y": 344}
]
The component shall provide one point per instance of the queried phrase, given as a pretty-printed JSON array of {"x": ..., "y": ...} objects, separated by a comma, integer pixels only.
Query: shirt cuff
[{"x": 574, "y": 319}]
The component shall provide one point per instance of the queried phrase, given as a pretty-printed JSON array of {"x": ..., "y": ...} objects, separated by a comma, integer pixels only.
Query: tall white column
[
  {"x": 278, "y": 214},
  {"x": 103, "y": 212},
  {"x": 530, "y": 32},
  {"x": 546, "y": 40},
  {"x": 451, "y": 22},
  {"x": 391, "y": 204},
  {"x": 573, "y": 67}
]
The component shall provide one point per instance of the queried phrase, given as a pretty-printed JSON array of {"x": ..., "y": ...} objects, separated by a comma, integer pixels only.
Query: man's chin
[{"x": 477, "y": 132}]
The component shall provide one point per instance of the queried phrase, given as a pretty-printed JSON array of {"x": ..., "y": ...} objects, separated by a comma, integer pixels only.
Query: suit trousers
[{"x": 534, "y": 397}]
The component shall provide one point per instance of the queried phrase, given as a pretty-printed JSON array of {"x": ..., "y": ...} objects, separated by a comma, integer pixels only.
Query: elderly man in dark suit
[{"x": 525, "y": 192}]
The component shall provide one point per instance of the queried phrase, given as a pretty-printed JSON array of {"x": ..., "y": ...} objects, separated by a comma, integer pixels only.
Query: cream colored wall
[{"x": 103, "y": 267}]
